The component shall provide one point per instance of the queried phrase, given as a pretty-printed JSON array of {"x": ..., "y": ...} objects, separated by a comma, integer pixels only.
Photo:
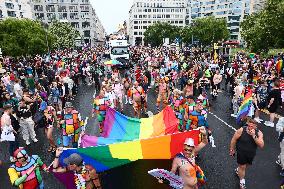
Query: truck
[{"x": 119, "y": 49}]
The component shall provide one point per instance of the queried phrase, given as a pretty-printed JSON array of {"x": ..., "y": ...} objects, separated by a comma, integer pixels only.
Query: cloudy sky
[{"x": 112, "y": 12}]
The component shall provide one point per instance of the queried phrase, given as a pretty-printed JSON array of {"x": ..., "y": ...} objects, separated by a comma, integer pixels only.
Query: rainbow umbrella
[{"x": 113, "y": 62}]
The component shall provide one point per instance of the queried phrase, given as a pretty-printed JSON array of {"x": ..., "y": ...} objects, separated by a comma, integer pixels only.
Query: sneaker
[
  {"x": 278, "y": 162},
  {"x": 257, "y": 120},
  {"x": 260, "y": 119},
  {"x": 233, "y": 115},
  {"x": 242, "y": 186},
  {"x": 35, "y": 140},
  {"x": 28, "y": 142},
  {"x": 282, "y": 173},
  {"x": 269, "y": 124}
]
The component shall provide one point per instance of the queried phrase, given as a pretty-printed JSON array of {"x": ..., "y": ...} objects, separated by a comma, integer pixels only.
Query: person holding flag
[{"x": 85, "y": 176}]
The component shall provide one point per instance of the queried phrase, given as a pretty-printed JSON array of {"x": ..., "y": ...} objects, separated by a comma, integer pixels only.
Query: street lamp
[{"x": 45, "y": 26}]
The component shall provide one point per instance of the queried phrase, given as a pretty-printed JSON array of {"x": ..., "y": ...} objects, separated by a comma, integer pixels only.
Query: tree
[
  {"x": 65, "y": 35},
  {"x": 264, "y": 30},
  {"x": 186, "y": 34},
  {"x": 155, "y": 33},
  {"x": 22, "y": 37},
  {"x": 209, "y": 30}
]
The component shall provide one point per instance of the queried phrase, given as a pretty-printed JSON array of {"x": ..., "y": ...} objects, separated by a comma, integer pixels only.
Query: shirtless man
[
  {"x": 163, "y": 94},
  {"x": 184, "y": 161},
  {"x": 138, "y": 98}
]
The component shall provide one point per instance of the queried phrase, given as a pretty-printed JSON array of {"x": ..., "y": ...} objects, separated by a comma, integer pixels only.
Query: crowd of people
[{"x": 38, "y": 92}]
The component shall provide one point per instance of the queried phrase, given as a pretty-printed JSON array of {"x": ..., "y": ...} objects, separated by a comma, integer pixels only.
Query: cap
[
  {"x": 20, "y": 149},
  {"x": 73, "y": 159},
  {"x": 189, "y": 142},
  {"x": 199, "y": 101},
  {"x": 68, "y": 105}
]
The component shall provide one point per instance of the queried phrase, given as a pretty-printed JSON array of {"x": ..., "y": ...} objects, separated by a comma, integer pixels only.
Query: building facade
[
  {"x": 144, "y": 13},
  {"x": 234, "y": 11},
  {"x": 257, "y": 5},
  {"x": 79, "y": 13},
  {"x": 15, "y": 9}
]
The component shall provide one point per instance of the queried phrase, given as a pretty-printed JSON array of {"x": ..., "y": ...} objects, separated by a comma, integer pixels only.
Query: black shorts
[
  {"x": 245, "y": 158},
  {"x": 272, "y": 109},
  {"x": 261, "y": 105}
]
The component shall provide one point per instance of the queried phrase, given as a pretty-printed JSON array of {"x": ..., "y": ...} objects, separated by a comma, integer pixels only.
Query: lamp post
[{"x": 45, "y": 26}]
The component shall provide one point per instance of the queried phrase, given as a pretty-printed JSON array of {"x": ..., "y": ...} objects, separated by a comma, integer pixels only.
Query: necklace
[{"x": 80, "y": 179}]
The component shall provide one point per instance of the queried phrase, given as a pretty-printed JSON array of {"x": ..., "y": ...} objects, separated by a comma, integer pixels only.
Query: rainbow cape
[
  {"x": 120, "y": 128},
  {"x": 103, "y": 158},
  {"x": 245, "y": 107}
]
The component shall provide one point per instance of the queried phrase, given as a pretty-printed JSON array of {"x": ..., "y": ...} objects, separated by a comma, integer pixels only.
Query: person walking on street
[
  {"x": 26, "y": 122},
  {"x": 274, "y": 101},
  {"x": 25, "y": 173},
  {"x": 246, "y": 140},
  {"x": 280, "y": 129}
]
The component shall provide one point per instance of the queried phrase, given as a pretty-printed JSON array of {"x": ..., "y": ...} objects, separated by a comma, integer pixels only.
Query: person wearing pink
[{"x": 118, "y": 89}]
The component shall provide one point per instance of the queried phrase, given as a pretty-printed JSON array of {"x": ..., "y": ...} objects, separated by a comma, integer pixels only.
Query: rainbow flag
[
  {"x": 279, "y": 66},
  {"x": 255, "y": 79},
  {"x": 103, "y": 158},
  {"x": 245, "y": 107},
  {"x": 120, "y": 128}
]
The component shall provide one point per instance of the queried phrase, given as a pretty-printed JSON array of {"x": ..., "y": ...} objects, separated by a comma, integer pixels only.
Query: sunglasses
[{"x": 188, "y": 150}]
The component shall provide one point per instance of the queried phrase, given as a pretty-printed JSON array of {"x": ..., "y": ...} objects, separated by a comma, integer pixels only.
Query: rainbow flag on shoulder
[{"x": 245, "y": 107}]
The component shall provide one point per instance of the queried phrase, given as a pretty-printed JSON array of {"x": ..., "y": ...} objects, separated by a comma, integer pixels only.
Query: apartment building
[
  {"x": 234, "y": 11},
  {"x": 15, "y": 9},
  {"x": 79, "y": 13},
  {"x": 144, "y": 13},
  {"x": 257, "y": 5}
]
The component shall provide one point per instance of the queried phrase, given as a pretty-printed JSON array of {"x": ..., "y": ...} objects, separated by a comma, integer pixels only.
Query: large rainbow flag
[
  {"x": 103, "y": 158},
  {"x": 120, "y": 128},
  {"x": 245, "y": 107}
]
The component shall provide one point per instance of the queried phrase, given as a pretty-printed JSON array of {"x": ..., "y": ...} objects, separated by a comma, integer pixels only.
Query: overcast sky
[{"x": 112, "y": 12}]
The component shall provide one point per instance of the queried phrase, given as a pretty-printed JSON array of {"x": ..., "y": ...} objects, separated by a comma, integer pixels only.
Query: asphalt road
[{"x": 216, "y": 162}]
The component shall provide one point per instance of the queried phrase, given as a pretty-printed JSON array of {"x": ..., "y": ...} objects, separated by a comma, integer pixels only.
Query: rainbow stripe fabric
[
  {"x": 103, "y": 158},
  {"x": 245, "y": 107},
  {"x": 120, "y": 128},
  {"x": 279, "y": 66}
]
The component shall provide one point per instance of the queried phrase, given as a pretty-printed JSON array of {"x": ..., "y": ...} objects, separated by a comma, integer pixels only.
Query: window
[
  {"x": 87, "y": 33},
  {"x": 144, "y": 27},
  {"x": 135, "y": 22},
  {"x": 11, "y": 13},
  {"x": 181, "y": 22},
  {"x": 136, "y": 27},
  {"x": 140, "y": 16},
  {"x": 135, "y": 33},
  {"x": 168, "y": 16}
]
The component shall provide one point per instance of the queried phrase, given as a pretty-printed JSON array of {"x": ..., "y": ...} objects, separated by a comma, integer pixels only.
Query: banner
[{"x": 120, "y": 128}]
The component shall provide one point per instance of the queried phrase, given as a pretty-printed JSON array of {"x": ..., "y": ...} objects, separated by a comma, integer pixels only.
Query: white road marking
[{"x": 230, "y": 126}]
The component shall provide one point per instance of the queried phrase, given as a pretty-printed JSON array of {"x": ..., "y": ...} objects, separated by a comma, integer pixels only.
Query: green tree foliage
[
  {"x": 265, "y": 29},
  {"x": 65, "y": 35},
  {"x": 186, "y": 34},
  {"x": 209, "y": 30},
  {"x": 155, "y": 33},
  {"x": 22, "y": 37}
]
